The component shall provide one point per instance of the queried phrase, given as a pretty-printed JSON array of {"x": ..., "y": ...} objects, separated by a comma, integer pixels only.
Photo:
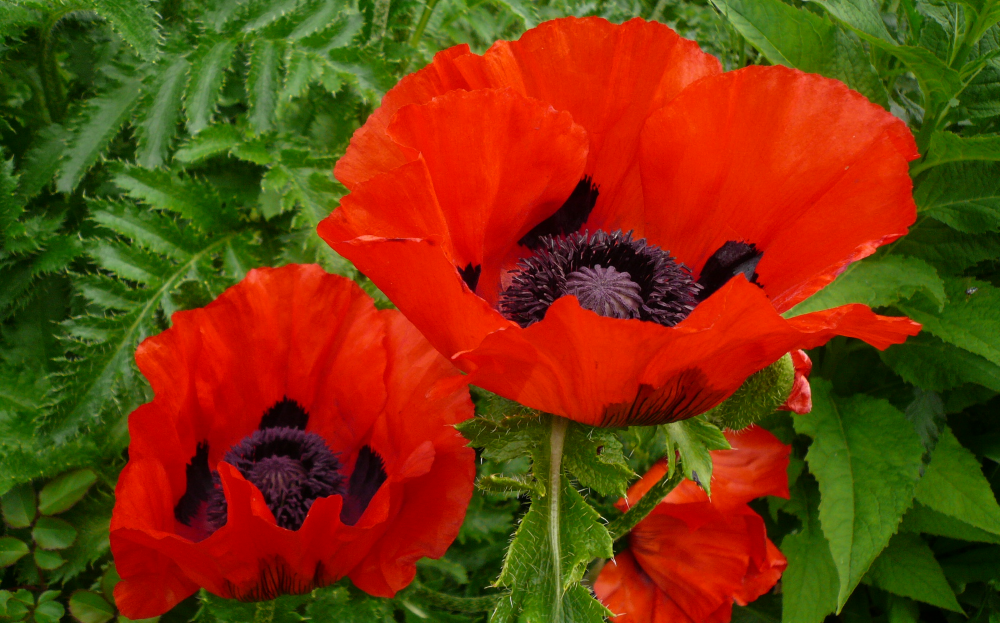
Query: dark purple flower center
[{"x": 609, "y": 273}]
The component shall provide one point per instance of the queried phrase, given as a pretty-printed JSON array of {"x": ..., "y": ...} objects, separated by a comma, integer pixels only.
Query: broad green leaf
[
  {"x": 97, "y": 125},
  {"x": 48, "y": 561},
  {"x": 694, "y": 438},
  {"x": 947, "y": 250},
  {"x": 208, "y": 70},
  {"x": 11, "y": 550},
  {"x": 867, "y": 458},
  {"x": 963, "y": 195},
  {"x": 969, "y": 320},
  {"x": 60, "y": 494},
  {"x": 950, "y": 147},
  {"x": 988, "y": 12},
  {"x": 797, "y": 38},
  {"x": 926, "y": 413},
  {"x": 594, "y": 456},
  {"x": 19, "y": 506},
  {"x": 262, "y": 84},
  {"x": 921, "y": 519},
  {"x": 88, "y": 607},
  {"x": 49, "y": 611},
  {"x": 158, "y": 122},
  {"x": 954, "y": 485},
  {"x": 53, "y": 533},
  {"x": 212, "y": 141},
  {"x": 981, "y": 564},
  {"x": 810, "y": 584},
  {"x": 877, "y": 282},
  {"x": 907, "y": 567},
  {"x": 862, "y": 15},
  {"x": 135, "y": 21},
  {"x": 935, "y": 365},
  {"x": 981, "y": 98}
]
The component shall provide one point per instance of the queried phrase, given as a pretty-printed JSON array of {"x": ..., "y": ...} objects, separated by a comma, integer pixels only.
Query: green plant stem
[
  {"x": 624, "y": 524},
  {"x": 557, "y": 437},
  {"x": 425, "y": 17},
  {"x": 263, "y": 612},
  {"x": 453, "y": 602}
]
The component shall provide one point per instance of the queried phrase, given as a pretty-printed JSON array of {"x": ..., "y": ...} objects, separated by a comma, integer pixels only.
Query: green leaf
[
  {"x": 867, "y": 458},
  {"x": 950, "y": 147},
  {"x": 981, "y": 564},
  {"x": 946, "y": 249},
  {"x": 505, "y": 485},
  {"x": 315, "y": 16},
  {"x": 53, "y": 533},
  {"x": 921, "y": 519},
  {"x": 907, "y": 567},
  {"x": 88, "y": 607},
  {"x": 954, "y": 485},
  {"x": 877, "y": 282},
  {"x": 810, "y": 584},
  {"x": 524, "y": 9},
  {"x": 926, "y": 413},
  {"x": 963, "y": 195},
  {"x": 694, "y": 438},
  {"x": 96, "y": 126},
  {"x": 208, "y": 70},
  {"x": 135, "y": 21},
  {"x": 48, "y": 561},
  {"x": 60, "y": 494},
  {"x": 19, "y": 508},
  {"x": 42, "y": 160},
  {"x": 158, "y": 123},
  {"x": 49, "y": 611},
  {"x": 262, "y": 84},
  {"x": 189, "y": 197},
  {"x": 969, "y": 320},
  {"x": 862, "y": 15},
  {"x": 797, "y": 38},
  {"x": 930, "y": 363},
  {"x": 212, "y": 141},
  {"x": 257, "y": 14},
  {"x": 11, "y": 550},
  {"x": 594, "y": 456}
]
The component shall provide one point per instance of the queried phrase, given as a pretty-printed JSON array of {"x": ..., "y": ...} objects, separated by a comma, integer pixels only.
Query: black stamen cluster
[
  {"x": 290, "y": 467},
  {"x": 666, "y": 288}
]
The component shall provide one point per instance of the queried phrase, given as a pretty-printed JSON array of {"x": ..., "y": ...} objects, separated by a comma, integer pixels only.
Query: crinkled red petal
[{"x": 800, "y": 398}]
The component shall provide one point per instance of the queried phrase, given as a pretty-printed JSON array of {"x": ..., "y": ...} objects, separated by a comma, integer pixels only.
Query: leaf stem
[
  {"x": 557, "y": 437},
  {"x": 453, "y": 602},
  {"x": 624, "y": 524},
  {"x": 263, "y": 612},
  {"x": 422, "y": 24}
]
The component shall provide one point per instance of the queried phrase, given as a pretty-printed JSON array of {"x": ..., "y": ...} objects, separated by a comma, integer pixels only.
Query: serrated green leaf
[
  {"x": 53, "y": 533},
  {"x": 257, "y": 14},
  {"x": 946, "y": 249},
  {"x": 594, "y": 456},
  {"x": 61, "y": 493},
  {"x": 135, "y": 21},
  {"x": 810, "y": 584},
  {"x": 97, "y": 125},
  {"x": 188, "y": 197},
  {"x": 950, "y": 147},
  {"x": 524, "y": 9},
  {"x": 507, "y": 439},
  {"x": 212, "y": 141},
  {"x": 262, "y": 84},
  {"x": 158, "y": 123},
  {"x": 694, "y": 438},
  {"x": 42, "y": 160},
  {"x": 49, "y": 612},
  {"x": 907, "y": 567},
  {"x": 877, "y": 282},
  {"x": 208, "y": 70},
  {"x": 921, "y": 519},
  {"x": 315, "y": 17},
  {"x": 965, "y": 196},
  {"x": 19, "y": 506},
  {"x": 954, "y": 485},
  {"x": 935, "y": 365},
  {"x": 11, "y": 550},
  {"x": 969, "y": 320},
  {"x": 867, "y": 458},
  {"x": 367, "y": 72},
  {"x": 88, "y": 607},
  {"x": 505, "y": 485},
  {"x": 862, "y": 15},
  {"x": 797, "y": 38}
]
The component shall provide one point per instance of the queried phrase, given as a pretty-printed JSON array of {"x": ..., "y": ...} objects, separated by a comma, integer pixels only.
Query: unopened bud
[{"x": 758, "y": 397}]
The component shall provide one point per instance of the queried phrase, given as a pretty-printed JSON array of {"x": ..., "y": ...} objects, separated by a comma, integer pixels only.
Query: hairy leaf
[
  {"x": 208, "y": 69},
  {"x": 135, "y": 21},
  {"x": 262, "y": 84},
  {"x": 969, "y": 320},
  {"x": 930, "y": 363},
  {"x": 694, "y": 439},
  {"x": 158, "y": 123},
  {"x": 965, "y": 196}
]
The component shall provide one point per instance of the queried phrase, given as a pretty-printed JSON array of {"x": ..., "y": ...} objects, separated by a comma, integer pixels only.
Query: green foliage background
[{"x": 154, "y": 151}]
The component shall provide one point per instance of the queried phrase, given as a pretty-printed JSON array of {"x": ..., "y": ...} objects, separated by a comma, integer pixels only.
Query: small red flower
[
  {"x": 800, "y": 398},
  {"x": 691, "y": 558},
  {"x": 519, "y": 206},
  {"x": 297, "y": 435}
]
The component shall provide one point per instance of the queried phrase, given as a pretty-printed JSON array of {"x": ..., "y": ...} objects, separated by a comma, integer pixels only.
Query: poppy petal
[
  {"x": 755, "y": 466},
  {"x": 371, "y": 150},
  {"x": 610, "y": 77},
  {"x": 810, "y": 172},
  {"x": 800, "y": 399},
  {"x": 762, "y": 576},
  {"x": 608, "y": 372},
  {"x": 631, "y": 594}
]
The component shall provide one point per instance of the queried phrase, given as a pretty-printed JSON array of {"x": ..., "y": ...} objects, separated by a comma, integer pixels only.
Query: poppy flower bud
[{"x": 759, "y": 396}]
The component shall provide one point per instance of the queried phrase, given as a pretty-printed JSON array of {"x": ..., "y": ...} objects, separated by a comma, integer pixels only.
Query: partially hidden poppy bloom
[
  {"x": 691, "y": 558},
  {"x": 800, "y": 398},
  {"x": 297, "y": 435},
  {"x": 597, "y": 222}
]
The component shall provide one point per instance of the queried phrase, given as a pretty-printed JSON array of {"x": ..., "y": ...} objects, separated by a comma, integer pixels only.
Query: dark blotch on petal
[
  {"x": 732, "y": 258},
  {"x": 199, "y": 485},
  {"x": 286, "y": 413},
  {"x": 470, "y": 275},
  {"x": 568, "y": 219},
  {"x": 367, "y": 478}
]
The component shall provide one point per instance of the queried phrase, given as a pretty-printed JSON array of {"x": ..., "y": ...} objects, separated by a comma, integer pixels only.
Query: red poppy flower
[
  {"x": 692, "y": 558},
  {"x": 518, "y": 207},
  {"x": 800, "y": 398},
  {"x": 297, "y": 435}
]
